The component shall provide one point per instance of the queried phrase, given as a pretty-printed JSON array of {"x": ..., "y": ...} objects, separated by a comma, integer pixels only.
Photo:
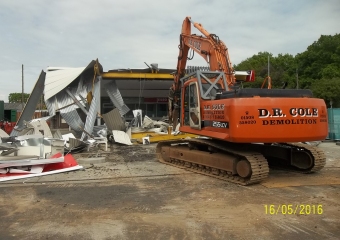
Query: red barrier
[{"x": 7, "y": 126}]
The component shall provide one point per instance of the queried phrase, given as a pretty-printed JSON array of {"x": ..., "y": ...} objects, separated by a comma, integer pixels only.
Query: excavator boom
[{"x": 211, "y": 48}]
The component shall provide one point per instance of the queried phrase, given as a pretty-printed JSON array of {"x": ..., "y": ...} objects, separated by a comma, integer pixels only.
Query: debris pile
[
  {"x": 120, "y": 131},
  {"x": 27, "y": 167},
  {"x": 75, "y": 94},
  {"x": 32, "y": 154}
]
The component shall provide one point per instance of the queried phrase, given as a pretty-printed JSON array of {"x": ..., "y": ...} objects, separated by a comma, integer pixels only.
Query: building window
[
  {"x": 151, "y": 110},
  {"x": 162, "y": 110}
]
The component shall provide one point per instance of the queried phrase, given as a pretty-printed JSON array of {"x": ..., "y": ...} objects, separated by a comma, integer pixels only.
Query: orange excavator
[{"x": 243, "y": 130}]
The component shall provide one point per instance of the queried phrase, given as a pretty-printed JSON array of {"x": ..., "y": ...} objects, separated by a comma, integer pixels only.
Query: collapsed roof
[{"x": 75, "y": 93}]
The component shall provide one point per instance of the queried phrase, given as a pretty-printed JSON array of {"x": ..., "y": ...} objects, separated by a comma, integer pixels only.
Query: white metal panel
[
  {"x": 28, "y": 162},
  {"x": 121, "y": 137},
  {"x": 37, "y": 125},
  {"x": 3, "y": 134},
  {"x": 57, "y": 80},
  {"x": 3, "y": 179},
  {"x": 30, "y": 169},
  {"x": 66, "y": 137}
]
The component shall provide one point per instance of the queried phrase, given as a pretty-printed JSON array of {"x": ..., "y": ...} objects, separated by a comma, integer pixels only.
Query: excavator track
[
  {"x": 318, "y": 155},
  {"x": 258, "y": 163},
  {"x": 257, "y": 160}
]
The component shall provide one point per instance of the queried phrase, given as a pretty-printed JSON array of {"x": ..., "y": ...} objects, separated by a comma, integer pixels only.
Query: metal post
[
  {"x": 269, "y": 79},
  {"x": 99, "y": 100},
  {"x": 22, "y": 84},
  {"x": 297, "y": 79},
  {"x": 268, "y": 67}
]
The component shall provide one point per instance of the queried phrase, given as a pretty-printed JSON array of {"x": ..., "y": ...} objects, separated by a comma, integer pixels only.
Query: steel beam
[
  {"x": 77, "y": 102},
  {"x": 163, "y": 76}
]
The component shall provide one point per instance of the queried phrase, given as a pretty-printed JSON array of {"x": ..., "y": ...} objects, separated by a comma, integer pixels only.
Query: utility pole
[
  {"x": 22, "y": 93},
  {"x": 297, "y": 79},
  {"x": 268, "y": 67},
  {"x": 269, "y": 78}
]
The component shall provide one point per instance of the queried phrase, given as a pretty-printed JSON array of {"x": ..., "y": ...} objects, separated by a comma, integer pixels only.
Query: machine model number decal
[
  {"x": 214, "y": 112},
  {"x": 220, "y": 124},
  {"x": 214, "y": 107},
  {"x": 218, "y": 107}
]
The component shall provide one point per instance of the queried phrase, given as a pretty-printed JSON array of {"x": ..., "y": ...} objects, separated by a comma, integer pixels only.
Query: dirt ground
[{"x": 132, "y": 196}]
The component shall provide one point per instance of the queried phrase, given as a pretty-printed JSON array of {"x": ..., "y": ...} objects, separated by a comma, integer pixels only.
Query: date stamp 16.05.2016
[{"x": 293, "y": 209}]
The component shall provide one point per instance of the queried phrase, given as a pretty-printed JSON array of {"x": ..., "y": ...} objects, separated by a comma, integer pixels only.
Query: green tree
[
  {"x": 317, "y": 68},
  {"x": 17, "y": 97},
  {"x": 258, "y": 63},
  {"x": 321, "y": 59},
  {"x": 281, "y": 69},
  {"x": 327, "y": 89}
]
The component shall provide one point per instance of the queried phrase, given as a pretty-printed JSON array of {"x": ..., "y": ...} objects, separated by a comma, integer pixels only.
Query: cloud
[{"x": 125, "y": 34}]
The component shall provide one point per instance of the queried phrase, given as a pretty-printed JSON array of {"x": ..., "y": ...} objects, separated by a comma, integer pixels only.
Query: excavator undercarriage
[{"x": 244, "y": 164}]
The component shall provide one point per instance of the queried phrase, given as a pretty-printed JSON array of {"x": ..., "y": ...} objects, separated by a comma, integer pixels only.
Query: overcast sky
[{"x": 125, "y": 34}]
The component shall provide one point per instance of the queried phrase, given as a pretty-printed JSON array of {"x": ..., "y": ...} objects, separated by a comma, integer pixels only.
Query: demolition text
[{"x": 287, "y": 121}]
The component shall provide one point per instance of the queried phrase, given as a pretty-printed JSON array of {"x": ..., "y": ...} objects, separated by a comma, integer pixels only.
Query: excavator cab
[
  {"x": 191, "y": 116},
  {"x": 194, "y": 106},
  {"x": 199, "y": 84}
]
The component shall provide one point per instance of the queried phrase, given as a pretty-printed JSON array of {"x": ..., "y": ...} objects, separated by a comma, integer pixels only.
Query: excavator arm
[{"x": 209, "y": 47}]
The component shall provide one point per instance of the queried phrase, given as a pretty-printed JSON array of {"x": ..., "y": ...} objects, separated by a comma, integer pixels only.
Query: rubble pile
[
  {"x": 34, "y": 149},
  {"x": 33, "y": 153},
  {"x": 120, "y": 131}
]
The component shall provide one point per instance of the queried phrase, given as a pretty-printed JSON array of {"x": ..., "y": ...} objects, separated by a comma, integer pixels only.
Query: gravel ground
[{"x": 132, "y": 196}]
